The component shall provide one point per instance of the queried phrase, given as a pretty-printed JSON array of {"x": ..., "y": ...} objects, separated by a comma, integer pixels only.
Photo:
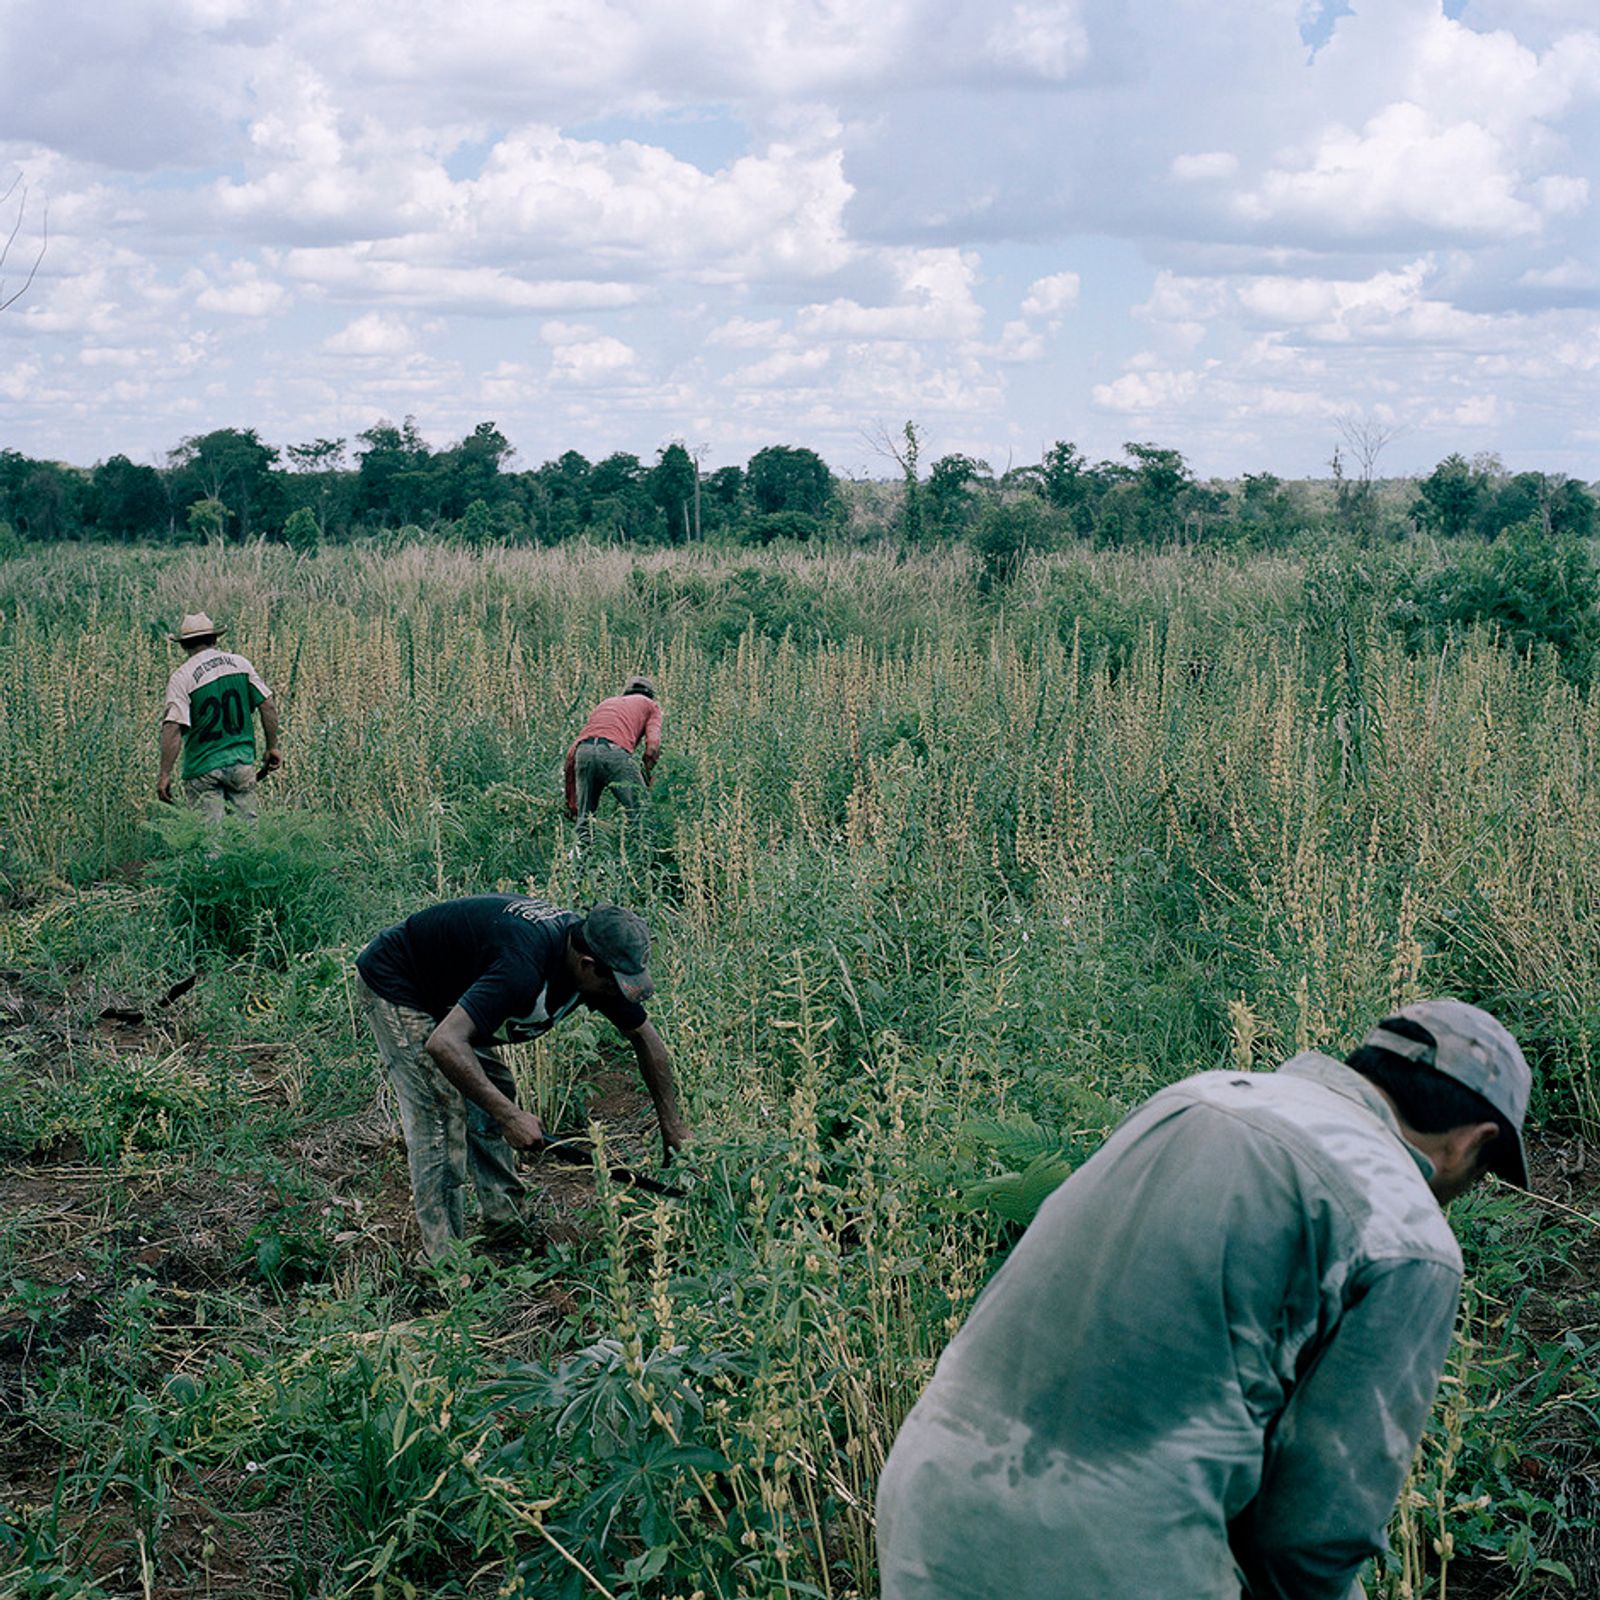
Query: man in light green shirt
[
  {"x": 211, "y": 701},
  {"x": 1204, "y": 1370}
]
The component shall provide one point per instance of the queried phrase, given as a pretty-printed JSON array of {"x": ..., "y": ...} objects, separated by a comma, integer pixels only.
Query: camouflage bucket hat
[
  {"x": 621, "y": 940},
  {"x": 1471, "y": 1047}
]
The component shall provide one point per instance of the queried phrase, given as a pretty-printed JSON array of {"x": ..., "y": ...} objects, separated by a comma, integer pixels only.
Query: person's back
[
  {"x": 213, "y": 696},
  {"x": 617, "y": 749},
  {"x": 208, "y": 719},
  {"x": 1146, "y": 1394},
  {"x": 623, "y": 719}
]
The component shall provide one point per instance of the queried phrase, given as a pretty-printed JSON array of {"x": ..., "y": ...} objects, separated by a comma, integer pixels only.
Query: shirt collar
[{"x": 1335, "y": 1075}]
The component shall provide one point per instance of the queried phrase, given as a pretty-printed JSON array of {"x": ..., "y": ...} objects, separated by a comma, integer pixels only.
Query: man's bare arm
[
  {"x": 655, "y": 1067},
  {"x": 450, "y": 1045},
  {"x": 171, "y": 749},
  {"x": 268, "y": 712}
]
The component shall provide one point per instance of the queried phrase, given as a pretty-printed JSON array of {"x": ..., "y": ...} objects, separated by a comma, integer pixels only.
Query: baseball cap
[
  {"x": 640, "y": 685},
  {"x": 620, "y": 939},
  {"x": 1471, "y": 1047}
]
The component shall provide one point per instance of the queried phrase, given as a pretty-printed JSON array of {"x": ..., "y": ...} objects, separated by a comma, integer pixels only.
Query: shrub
[
  {"x": 266, "y": 893},
  {"x": 300, "y": 531},
  {"x": 1535, "y": 588},
  {"x": 1006, "y": 535}
]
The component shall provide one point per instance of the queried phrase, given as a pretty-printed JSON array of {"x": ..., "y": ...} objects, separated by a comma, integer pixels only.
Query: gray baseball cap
[
  {"x": 620, "y": 939},
  {"x": 1471, "y": 1047}
]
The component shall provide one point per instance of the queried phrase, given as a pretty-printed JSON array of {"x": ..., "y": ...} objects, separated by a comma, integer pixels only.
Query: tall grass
[{"x": 915, "y": 860}]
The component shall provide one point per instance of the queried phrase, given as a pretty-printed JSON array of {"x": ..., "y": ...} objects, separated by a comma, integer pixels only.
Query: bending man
[
  {"x": 1204, "y": 1370},
  {"x": 606, "y": 753},
  {"x": 439, "y": 988}
]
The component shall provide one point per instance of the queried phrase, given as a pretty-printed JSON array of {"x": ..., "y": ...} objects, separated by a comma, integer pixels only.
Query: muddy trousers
[
  {"x": 447, "y": 1136},
  {"x": 224, "y": 789}
]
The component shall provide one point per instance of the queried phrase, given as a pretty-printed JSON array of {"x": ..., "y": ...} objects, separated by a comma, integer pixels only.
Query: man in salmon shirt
[{"x": 607, "y": 752}]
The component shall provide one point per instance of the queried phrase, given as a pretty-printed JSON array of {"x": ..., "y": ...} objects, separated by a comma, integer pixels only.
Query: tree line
[{"x": 229, "y": 485}]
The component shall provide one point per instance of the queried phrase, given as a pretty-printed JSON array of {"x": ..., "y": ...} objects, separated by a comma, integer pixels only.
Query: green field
[{"x": 942, "y": 882}]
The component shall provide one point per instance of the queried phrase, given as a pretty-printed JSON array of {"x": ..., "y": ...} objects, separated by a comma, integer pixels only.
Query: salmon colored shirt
[{"x": 624, "y": 719}]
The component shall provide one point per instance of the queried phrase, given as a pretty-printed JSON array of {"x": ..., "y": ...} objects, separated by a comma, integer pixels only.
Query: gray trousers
[
  {"x": 599, "y": 766},
  {"x": 447, "y": 1136},
  {"x": 224, "y": 788}
]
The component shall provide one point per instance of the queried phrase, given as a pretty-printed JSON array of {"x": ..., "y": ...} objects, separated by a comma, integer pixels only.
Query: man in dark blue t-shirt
[{"x": 440, "y": 988}]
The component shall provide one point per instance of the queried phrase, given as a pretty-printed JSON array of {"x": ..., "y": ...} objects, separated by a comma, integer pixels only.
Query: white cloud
[
  {"x": 242, "y": 292},
  {"x": 1147, "y": 391},
  {"x": 371, "y": 335},
  {"x": 782, "y": 366},
  {"x": 1049, "y": 297},
  {"x": 1400, "y": 172},
  {"x": 933, "y": 300},
  {"x": 361, "y": 271},
  {"x": 605, "y": 221},
  {"x": 1476, "y": 411},
  {"x": 596, "y": 362}
]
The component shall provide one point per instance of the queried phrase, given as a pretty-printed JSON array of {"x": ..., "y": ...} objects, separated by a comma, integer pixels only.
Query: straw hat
[{"x": 197, "y": 625}]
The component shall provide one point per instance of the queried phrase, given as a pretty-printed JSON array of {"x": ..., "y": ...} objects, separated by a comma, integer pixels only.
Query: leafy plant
[{"x": 268, "y": 892}]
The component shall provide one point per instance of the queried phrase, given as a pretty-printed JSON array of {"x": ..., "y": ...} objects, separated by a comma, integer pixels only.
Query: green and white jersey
[{"x": 213, "y": 697}]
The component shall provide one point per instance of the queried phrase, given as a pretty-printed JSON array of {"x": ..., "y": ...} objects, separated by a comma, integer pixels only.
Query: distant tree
[
  {"x": 472, "y": 470},
  {"x": 674, "y": 484},
  {"x": 725, "y": 486},
  {"x": 1563, "y": 506},
  {"x": 798, "y": 526},
  {"x": 1160, "y": 478},
  {"x": 301, "y": 530},
  {"x": 231, "y": 466},
  {"x": 620, "y": 506},
  {"x": 395, "y": 482},
  {"x": 208, "y": 520},
  {"x": 475, "y": 527},
  {"x": 1061, "y": 474},
  {"x": 790, "y": 478},
  {"x": 1449, "y": 498},
  {"x": 129, "y": 501},
  {"x": 44, "y": 501},
  {"x": 1006, "y": 534},
  {"x": 556, "y": 498},
  {"x": 951, "y": 500},
  {"x": 1266, "y": 515},
  {"x": 319, "y": 481},
  {"x": 911, "y": 506},
  {"x": 1355, "y": 465}
]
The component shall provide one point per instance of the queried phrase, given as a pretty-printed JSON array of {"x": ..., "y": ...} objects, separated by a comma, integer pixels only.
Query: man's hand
[
  {"x": 272, "y": 760},
  {"x": 523, "y": 1130},
  {"x": 673, "y": 1140},
  {"x": 164, "y": 789}
]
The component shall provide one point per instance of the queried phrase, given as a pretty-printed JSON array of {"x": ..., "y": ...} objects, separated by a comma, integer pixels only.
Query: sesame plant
[{"x": 943, "y": 876}]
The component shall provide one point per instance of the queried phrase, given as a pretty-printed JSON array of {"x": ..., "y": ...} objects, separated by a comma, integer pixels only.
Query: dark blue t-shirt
[{"x": 500, "y": 957}]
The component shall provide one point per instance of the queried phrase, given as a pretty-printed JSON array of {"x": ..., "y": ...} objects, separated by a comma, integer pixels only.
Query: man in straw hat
[
  {"x": 441, "y": 987},
  {"x": 210, "y": 701},
  {"x": 1205, "y": 1368},
  {"x": 606, "y": 754}
]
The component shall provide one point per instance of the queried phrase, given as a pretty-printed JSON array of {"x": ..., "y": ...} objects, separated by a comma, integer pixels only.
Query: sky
[{"x": 1242, "y": 229}]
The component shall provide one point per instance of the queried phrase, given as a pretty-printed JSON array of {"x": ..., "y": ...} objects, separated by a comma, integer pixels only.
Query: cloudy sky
[{"x": 1228, "y": 226}]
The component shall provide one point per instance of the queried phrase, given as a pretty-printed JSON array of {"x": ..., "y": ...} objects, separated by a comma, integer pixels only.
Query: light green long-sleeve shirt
[{"x": 1203, "y": 1371}]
